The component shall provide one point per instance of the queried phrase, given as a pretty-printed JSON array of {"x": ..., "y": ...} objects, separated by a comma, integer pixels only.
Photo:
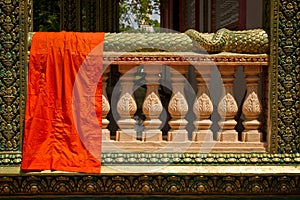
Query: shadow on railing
[
  {"x": 175, "y": 102},
  {"x": 185, "y": 101}
]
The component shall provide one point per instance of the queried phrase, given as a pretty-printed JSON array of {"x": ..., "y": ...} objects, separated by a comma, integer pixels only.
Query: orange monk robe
[{"x": 58, "y": 134}]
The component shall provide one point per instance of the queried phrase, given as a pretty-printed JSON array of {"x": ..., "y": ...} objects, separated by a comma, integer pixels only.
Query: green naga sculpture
[
  {"x": 249, "y": 41},
  {"x": 224, "y": 40}
]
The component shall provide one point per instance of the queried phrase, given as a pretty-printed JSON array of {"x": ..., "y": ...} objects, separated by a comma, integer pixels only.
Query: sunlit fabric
[{"x": 57, "y": 134}]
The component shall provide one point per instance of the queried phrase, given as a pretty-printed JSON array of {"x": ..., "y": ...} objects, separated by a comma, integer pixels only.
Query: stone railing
[
  {"x": 178, "y": 137},
  {"x": 204, "y": 117}
]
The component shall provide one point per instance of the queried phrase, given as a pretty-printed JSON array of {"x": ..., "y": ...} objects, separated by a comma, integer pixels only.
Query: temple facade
[
  {"x": 211, "y": 15},
  {"x": 210, "y": 111}
]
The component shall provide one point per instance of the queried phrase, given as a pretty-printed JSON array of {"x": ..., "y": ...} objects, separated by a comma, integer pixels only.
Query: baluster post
[
  {"x": 105, "y": 105},
  {"x": 126, "y": 106},
  {"x": 152, "y": 106},
  {"x": 252, "y": 106},
  {"x": 203, "y": 107},
  {"x": 178, "y": 106},
  {"x": 227, "y": 107}
]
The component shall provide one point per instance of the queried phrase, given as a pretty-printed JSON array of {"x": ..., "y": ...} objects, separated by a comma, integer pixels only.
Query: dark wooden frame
[{"x": 274, "y": 172}]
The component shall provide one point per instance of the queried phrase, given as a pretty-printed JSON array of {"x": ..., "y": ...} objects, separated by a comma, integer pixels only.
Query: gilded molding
[
  {"x": 284, "y": 140},
  {"x": 180, "y": 159},
  {"x": 205, "y": 159},
  {"x": 284, "y": 104},
  {"x": 273, "y": 75},
  {"x": 10, "y": 159},
  {"x": 148, "y": 184},
  {"x": 287, "y": 78},
  {"x": 14, "y": 24},
  {"x": 178, "y": 58}
]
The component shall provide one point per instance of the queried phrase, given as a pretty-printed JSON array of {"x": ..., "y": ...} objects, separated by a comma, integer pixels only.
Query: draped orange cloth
[{"x": 64, "y": 89}]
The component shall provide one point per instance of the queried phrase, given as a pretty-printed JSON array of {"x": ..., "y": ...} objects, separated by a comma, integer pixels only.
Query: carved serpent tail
[
  {"x": 210, "y": 42},
  {"x": 248, "y": 41}
]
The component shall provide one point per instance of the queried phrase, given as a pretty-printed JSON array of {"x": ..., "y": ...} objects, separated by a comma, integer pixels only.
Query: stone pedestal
[
  {"x": 178, "y": 106},
  {"x": 152, "y": 106},
  {"x": 203, "y": 107},
  {"x": 252, "y": 106},
  {"x": 105, "y": 107},
  {"x": 227, "y": 107},
  {"x": 126, "y": 106}
]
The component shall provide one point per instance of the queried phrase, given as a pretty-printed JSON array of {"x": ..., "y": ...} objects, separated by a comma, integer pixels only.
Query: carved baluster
[
  {"x": 178, "y": 106},
  {"x": 227, "y": 107},
  {"x": 105, "y": 105},
  {"x": 203, "y": 107},
  {"x": 152, "y": 106},
  {"x": 252, "y": 106},
  {"x": 126, "y": 106}
]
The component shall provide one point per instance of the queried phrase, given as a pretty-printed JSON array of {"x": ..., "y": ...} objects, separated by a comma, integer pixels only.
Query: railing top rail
[{"x": 184, "y": 58}]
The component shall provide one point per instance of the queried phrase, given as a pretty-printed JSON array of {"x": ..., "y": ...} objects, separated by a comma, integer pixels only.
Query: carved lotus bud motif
[
  {"x": 178, "y": 105},
  {"x": 252, "y": 105},
  {"x": 126, "y": 105},
  {"x": 105, "y": 105},
  {"x": 227, "y": 106},
  {"x": 203, "y": 105},
  {"x": 152, "y": 105}
]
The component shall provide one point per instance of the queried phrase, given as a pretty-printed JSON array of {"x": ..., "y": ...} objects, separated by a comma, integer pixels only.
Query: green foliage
[
  {"x": 138, "y": 12},
  {"x": 46, "y": 15}
]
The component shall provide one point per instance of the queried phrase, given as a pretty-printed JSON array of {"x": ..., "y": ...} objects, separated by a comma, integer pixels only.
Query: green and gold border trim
[
  {"x": 273, "y": 76},
  {"x": 180, "y": 159},
  {"x": 283, "y": 140},
  {"x": 285, "y": 81},
  {"x": 176, "y": 185},
  {"x": 198, "y": 159},
  {"x": 223, "y": 174}
]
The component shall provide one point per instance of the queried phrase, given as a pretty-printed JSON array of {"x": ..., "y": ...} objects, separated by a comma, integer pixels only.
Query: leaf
[{"x": 138, "y": 12}]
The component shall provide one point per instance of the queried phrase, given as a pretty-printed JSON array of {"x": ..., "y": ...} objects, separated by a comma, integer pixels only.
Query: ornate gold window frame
[{"x": 274, "y": 172}]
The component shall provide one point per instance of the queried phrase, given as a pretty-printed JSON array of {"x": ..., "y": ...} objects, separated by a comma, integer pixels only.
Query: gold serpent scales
[{"x": 224, "y": 40}]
